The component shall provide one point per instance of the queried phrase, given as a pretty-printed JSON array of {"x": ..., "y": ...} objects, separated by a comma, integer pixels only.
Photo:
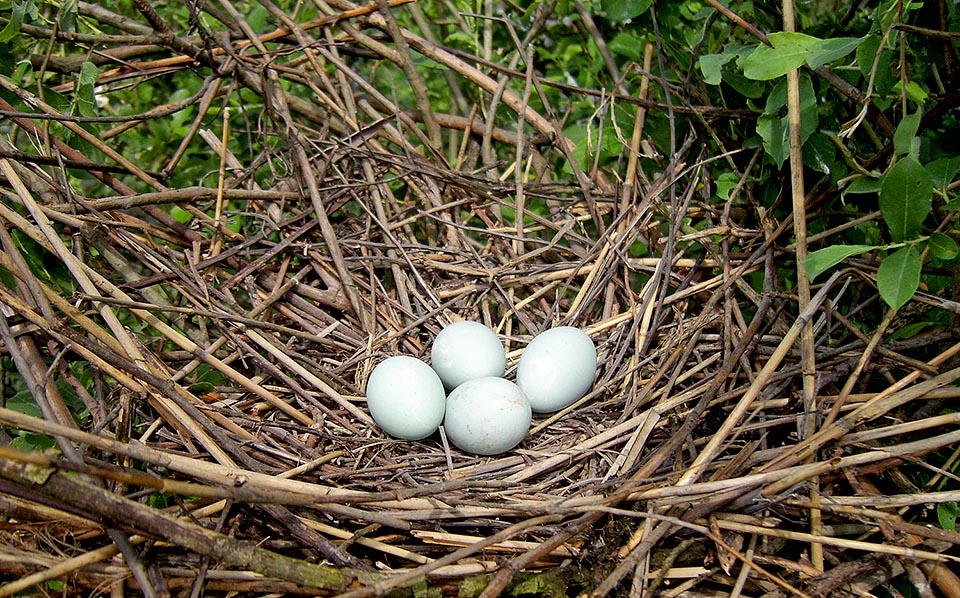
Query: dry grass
[{"x": 695, "y": 466}]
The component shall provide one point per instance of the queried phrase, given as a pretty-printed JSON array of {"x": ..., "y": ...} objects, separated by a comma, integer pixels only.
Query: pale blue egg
[
  {"x": 466, "y": 350},
  {"x": 486, "y": 416},
  {"x": 557, "y": 368},
  {"x": 406, "y": 398}
]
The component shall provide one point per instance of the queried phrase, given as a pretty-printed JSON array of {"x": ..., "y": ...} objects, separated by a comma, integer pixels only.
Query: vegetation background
[{"x": 774, "y": 185}]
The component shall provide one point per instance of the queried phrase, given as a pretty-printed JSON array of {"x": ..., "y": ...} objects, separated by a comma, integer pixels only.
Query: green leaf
[
  {"x": 711, "y": 65},
  {"x": 821, "y": 260},
  {"x": 913, "y": 90},
  {"x": 828, "y": 50},
  {"x": 725, "y": 184},
  {"x": 17, "y": 12},
  {"x": 788, "y": 52},
  {"x": 629, "y": 46},
  {"x": 905, "y": 139},
  {"x": 905, "y": 198},
  {"x": 789, "y": 40},
  {"x": 748, "y": 88},
  {"x": 773, "y": 130},
  {"x": 86, "y": 83},
  {"x": 258, "y": 18},
  {"x": 944, "y": 171},
  {"x": 32, "y": 442},
  {"x": 863, "y": 185},
  {"x": 590, "y": 141},
  {"x": 947, "y": 513},
  {"x": 943, "y": 247},
  {"x": 623, "y": 10},
  {"x": 867, "y": 53},
  {"x": 67, "y": 16},
  {"x": 182, "y": 216},
  {"x": 773, "y": 126},
  {"x": 22, "y": 402},
  {"x": 819, "y": 153},
  {"x": 201, "y": 388},
  {"x": 909, "y": 331},
  {"x": 898, "y": 276}
]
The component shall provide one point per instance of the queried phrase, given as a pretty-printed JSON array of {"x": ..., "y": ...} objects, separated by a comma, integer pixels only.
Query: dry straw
[{"x": 695, "y": 464}]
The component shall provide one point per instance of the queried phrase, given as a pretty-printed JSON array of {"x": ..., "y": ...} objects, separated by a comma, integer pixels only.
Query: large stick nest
[{"x": 195, "y": 355}]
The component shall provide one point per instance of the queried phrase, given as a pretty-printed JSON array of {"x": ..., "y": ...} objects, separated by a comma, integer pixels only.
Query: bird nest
[{"x": 194, "y": 356}]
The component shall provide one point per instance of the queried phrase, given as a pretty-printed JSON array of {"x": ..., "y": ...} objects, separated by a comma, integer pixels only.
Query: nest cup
[{"x": 189, "y": 325}]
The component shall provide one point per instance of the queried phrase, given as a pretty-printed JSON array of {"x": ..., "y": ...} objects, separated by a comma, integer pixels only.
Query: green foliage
[
  {"x": 879, "y": 142},
  {"x": 899, "y": 276},
  {"x": 824, "y": 259},
  {"x": 943, "y": 247},
  {"x": 787, "y": 51},
  {"x": 19, "y": 11},
  {"x": 86, "y": 102},
  {"x": 623, "y": 10},
  {"x": 947, "y": 513},
  {"x": 773, "y": 125},
  {"x": 905, "y": 199},
  {"x": 45, "y": 266},
  {"x": 22, "y": 401},
  {"x": 905, "y": 192},
  {"x": 67, "y": 16},
  {"x": 905, "y": 140},
  {"x": 825, "y": 51}
]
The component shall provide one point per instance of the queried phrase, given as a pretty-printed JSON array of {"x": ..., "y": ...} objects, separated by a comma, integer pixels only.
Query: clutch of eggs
[{"x": 484, "y": 413}]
